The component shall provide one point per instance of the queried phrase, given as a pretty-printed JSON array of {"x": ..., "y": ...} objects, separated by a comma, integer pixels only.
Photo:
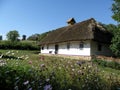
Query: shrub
[
  {"x": 18, "y": 45},
  {"x": 20, "y": 78},
  {"x": 104, "y": 63}
]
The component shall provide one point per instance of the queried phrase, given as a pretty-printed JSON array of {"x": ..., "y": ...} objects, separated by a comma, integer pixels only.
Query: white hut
[{"x": 85, "y": 38}]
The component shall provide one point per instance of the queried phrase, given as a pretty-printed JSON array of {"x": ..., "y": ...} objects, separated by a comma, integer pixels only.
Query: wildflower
[
  {"x": 25, "y": 83},
  {"x": 73, "y": 69},
  {"x": 17, "y": 78},
  {"x": 1, "y": 56},
  {"x": 22, "y": 56},
  {"x": 71, "y": 66},
  {"x": 68, "y": 62},
  {"x": 16, "y": 88},
  {"x": 13, "y": 53},
  {"x": 30, "y": 62},
  {"x": 18, "y": 57},
  {"x": 80, "y": 71},
  {"x": 47, "y": 80},
  {"x": 30, "y": 89},
  {"x": 48, "y": 87},
  {"x": 26, "y": 58},
  {"x": 42, "y": 65},
  {"x": 8, "y": 52},
  {"x": 42, "y": 58},
  {"x": 59, "y": 67},
  {"x": 2, "y": 63}
]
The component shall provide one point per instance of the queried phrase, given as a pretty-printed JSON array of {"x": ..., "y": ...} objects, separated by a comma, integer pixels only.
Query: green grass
[
  {"x": 34, "y": 58},
  {"x": 60, "y": 73}
]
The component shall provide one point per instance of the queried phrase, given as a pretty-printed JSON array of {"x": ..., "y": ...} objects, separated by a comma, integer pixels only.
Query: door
[{"x": 56, "y": 48}]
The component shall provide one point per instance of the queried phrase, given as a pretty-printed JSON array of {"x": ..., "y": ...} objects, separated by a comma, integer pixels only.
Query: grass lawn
[{"x": 57, "y": 73}]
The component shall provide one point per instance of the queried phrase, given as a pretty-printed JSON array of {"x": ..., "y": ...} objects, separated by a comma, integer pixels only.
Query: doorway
[{"x": 56, "y": 48}]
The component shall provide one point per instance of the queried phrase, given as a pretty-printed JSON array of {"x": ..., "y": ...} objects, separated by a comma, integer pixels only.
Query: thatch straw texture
[{"x": 86, "y": 30}]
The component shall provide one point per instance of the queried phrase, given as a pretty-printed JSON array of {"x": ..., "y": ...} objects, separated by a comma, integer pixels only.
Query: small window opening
[{"x": 81, "y": 46}]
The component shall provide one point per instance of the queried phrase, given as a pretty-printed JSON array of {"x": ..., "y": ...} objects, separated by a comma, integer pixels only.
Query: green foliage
[
  {"x": 0, "y": 37},
  {"x": 19, "y": 45},
  {"x": 13, "y": 35},
  {"x": 38, "y": 37},
  {"x": 33, "y": 37},
  {"x": 115, "y": 46},
  {"x": 111, "y": 28},
  {"x": 43, "y": 35},
  {"x": 110, "y": 64},
  {"x": 116, "y": 10},
  {"x": 23, "y": 37},
  {"x": 55, "y": 73}
]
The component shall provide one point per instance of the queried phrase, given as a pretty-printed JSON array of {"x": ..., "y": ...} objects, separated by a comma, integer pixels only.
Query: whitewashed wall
[
  {"x": 105, "y": 50},
  {"x": 51, "y": 49},
  {"x": 90, "y": 48},
  {"x": 73, "y": 50}
]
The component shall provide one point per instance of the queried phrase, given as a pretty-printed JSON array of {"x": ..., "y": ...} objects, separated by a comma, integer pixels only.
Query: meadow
[{"x": 29, "y": 70}]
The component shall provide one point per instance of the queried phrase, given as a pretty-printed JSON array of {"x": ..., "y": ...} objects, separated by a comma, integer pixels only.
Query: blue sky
[{"x": 37, "y": 16}]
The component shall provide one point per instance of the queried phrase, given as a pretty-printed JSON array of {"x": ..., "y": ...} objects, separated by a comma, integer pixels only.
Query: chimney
[{"x": 71, "y": 21}]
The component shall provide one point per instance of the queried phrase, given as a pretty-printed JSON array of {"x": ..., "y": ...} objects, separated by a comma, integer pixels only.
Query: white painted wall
[
  {"x": 104, "y": 51},
  {"x": 51, "y": 49},
  {"x": 73, "y": 50},
  {"x": 90, "y": 48}
]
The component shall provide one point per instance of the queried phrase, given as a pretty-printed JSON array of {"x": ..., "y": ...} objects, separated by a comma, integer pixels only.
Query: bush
[
  {"x": 104, "y": 63},
  {"x": 18, "y": 45},
  {"x": 20, "y": 78}
]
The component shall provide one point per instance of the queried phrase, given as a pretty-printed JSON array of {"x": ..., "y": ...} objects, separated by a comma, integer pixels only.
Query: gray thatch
[{"x": 86, "y": 30}]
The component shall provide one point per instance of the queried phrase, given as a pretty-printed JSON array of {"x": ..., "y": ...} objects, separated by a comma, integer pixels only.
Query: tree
[
  {"x": 116, "y": 10},
  {"x": 38, "y": 37},
  {"x": 115, "y": 46},
  {"x": 33, "y": 37},
  {"x": 110, "y": 27},
  {"x": 23, "y": 37},
  {"x": 43, "y": 35},
  {"x": 13, "y": 35},
  {"x": 0, "y": 37}
]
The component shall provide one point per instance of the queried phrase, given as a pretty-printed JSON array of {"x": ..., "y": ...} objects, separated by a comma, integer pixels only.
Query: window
[
  {"x": 68, "y": 46},
  {"x": 47, "y": 46},
  {"x": 99, "y": 47},
  {"x": 81, "y": 46}
]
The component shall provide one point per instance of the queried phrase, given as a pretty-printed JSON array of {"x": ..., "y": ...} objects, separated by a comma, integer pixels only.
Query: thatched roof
[{"x": 86, "y": 30}]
